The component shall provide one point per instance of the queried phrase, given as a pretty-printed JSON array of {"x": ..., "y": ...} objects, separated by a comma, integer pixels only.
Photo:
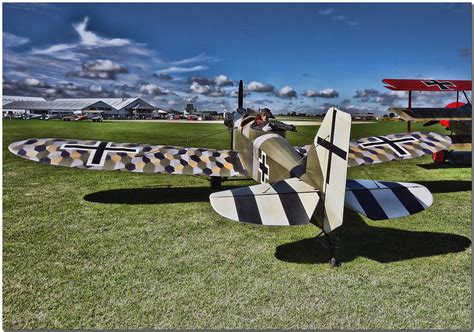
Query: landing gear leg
[
  {"x": 332, "y": 252},
  {"x": 216, "y": 182}
]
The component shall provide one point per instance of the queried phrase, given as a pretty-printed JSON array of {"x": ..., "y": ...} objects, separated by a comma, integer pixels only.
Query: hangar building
[
  {"x": 56, "y": 106},
  {"x": 113, "y": 107},
  {"x": 121, "y": 107},
  {"x": 10, "y": 99}
]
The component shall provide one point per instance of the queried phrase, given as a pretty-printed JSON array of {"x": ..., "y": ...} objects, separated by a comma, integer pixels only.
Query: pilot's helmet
[{"x": 267, "y": 112}]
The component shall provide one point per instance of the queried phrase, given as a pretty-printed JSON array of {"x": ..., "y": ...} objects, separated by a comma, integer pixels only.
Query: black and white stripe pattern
[
  {"x": 285, "y": 203},
  {"x": 381, "y": 200}
]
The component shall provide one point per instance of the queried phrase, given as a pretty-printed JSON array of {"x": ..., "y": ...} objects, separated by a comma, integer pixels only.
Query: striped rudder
[
  {"x": 381, "y": 200},
  {"x": 285, "y": 203},
  {"x": 326, "y": 167}
]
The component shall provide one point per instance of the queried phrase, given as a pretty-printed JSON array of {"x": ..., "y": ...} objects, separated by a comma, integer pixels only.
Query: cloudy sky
[{"x": 292, "y": 57}]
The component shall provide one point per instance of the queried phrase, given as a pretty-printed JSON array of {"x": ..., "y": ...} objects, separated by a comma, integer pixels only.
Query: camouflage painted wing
[
  {"x": 379, "y": 149},
  {"x": 140, "y": 158}
]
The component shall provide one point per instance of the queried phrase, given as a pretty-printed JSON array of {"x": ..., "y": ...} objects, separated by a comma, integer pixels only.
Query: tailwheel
[
  {"x": 333, "y": 261},
  {"x": 440, "y": 157}
]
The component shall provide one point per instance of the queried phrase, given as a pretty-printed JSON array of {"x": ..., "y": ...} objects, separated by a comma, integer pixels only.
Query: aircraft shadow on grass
[
  {"x": 384, "y": 245},
  {"x": 157, "y": 195},
  {"x": 355, "y": 238},
  {"x": 167, "y": 195},
  {"x": 450, "y": 186},
  {"x": 442, "y": 166}
]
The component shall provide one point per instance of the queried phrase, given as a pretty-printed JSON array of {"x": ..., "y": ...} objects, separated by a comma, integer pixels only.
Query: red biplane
[{"x": 455, "y": 116}]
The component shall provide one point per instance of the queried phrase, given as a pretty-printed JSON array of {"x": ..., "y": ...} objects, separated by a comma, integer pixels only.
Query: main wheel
[{"x": 440, "y": 157}]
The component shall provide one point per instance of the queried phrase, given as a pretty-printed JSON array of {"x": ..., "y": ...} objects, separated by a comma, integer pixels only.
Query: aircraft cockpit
[{"x": 265, "y": 121}]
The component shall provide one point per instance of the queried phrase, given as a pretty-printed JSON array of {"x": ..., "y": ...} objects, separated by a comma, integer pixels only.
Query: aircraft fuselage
[{"x": 266, "y": 155}]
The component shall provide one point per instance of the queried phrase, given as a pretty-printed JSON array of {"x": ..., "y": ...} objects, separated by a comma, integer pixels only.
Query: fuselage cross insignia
[{"x": 263, "y": 168}]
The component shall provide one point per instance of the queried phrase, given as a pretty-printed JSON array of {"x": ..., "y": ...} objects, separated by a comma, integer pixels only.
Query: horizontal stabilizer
[
  {"x": 285, "y": 203},
  {"x": 381, "y": 200}
]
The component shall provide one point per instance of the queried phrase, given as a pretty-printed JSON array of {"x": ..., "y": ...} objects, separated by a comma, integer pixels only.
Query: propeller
[
  {"x": 230, "y": 117},
  {"x": 240, "y": 105}
]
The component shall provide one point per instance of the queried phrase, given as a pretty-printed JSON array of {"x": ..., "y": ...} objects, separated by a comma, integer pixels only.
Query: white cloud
[
  {"x": 198, "y": 58},
  {"x": 95, "y": 88},
  {"x": 11, "y": 40},
  {"x": 32, "y": 82},
  {"x": 287, "y": 92},
  {"x": 105, "y": 65},
  {"x": 259, "y": 87},
  {"x": 153, "y": 89},
  {"x": 99, "y": 69},
  {"x": 206, "y": 90},
  {"x": 201, "y": 89},
  {"x": 223, "y": 80},
  {"x": 327, "y": 11},
  {"x": 325, "y": 93},
  {"x": 182, "y": 69},
  {"x": 89, "y": 38},
  {"x": 54, "y": 49}
]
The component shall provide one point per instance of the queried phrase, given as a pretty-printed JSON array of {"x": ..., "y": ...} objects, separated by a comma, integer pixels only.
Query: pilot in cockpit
[{"x": 262, "y": 120}]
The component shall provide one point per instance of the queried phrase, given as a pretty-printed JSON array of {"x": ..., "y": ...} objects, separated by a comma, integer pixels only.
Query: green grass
[{"x": 85, "y": 249}]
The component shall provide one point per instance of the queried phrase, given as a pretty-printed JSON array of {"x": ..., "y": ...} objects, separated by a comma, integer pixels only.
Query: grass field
[{"x": 85, "y": 249}]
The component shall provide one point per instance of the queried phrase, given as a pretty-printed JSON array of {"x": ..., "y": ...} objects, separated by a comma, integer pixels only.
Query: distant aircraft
[
  {"x": 455, "y": 116},
  {"x": 95, "y": 116},
  {"x": 32, "y": 116},
  {"x": 297, "y": 185},
  {"x": 69, "y": 117},
  {"x": 53, "y": 116}
]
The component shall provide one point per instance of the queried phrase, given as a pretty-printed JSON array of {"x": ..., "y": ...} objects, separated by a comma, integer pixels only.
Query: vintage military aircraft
[
  {"x": 52, "y": 116},
  {"x": 297, "y": 185},
  {"x": 455, "y": 117},
  {"x": 32, "y": 116}
]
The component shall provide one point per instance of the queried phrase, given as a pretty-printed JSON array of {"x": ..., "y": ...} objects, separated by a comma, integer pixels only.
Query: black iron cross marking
[
  {"x": 333, "y": 149},
  {"x": 396, "y": 145},
  {"x": 98, "y": 151},
  {"x": 263, "y": 168},
  {"x": 445, "y": 85}
]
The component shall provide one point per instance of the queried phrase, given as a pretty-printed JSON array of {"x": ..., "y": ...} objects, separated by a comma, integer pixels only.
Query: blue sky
[{"x": 292, "y": 57}]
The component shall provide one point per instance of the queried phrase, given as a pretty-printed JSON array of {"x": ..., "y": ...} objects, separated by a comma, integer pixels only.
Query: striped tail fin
[
  {"x": 326, "y": 167},
  {"x": 285, "y": 203},
  {"x": 381, "y": 200}
]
